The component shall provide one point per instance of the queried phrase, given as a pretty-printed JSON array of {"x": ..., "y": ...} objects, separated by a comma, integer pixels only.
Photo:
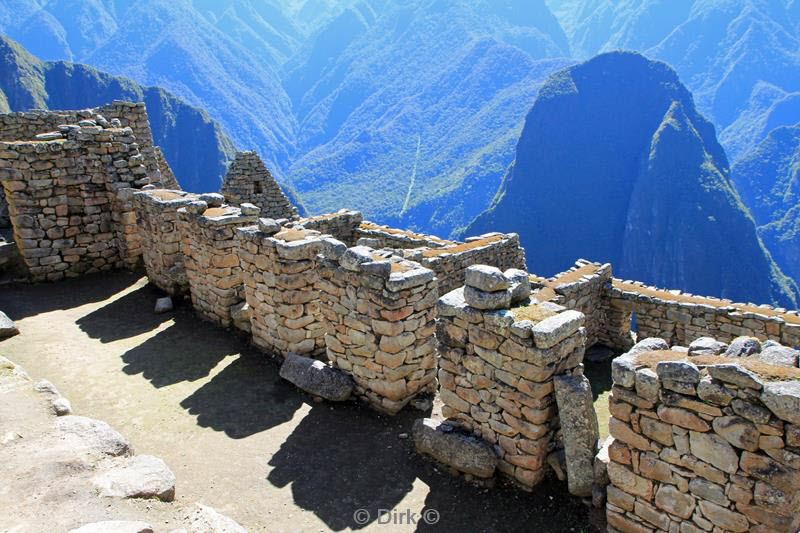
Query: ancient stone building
[
  {"x": 380, "y": 312},
  {"x": 70, "y": 199},
  {"x": 211, "y": 259},
  {"x": 499, "y": 353},
  {"x": 249, "y": 181},
  {"x": 704, "y": 442},
  {"x": 280, "y": 276},
  {"x": 159, "y": 230}
]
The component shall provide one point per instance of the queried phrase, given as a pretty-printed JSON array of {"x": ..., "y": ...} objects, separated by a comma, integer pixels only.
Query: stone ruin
[
  {"x": 157, "y": 217},
  {"x": 355, "y": 309},
  {"x": 249, "y": 181},
  {"x": 70, "y": 199},
  {"x": 209, "y": 248},
  {"x": 380, "y": 315},
  {"x": 704, "y": 439},
  {"x": 498, "y": 355},
  {"x": 279, "y": 270}
]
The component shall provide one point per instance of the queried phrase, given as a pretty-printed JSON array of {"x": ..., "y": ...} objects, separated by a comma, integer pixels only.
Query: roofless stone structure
[{"x": 249, "y": 181}]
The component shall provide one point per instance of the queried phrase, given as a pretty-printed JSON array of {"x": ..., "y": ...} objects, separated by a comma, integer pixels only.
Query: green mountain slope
[
  {"x": 723, "y": 50},
  {"x": 768, "y": 178},
  {"x": 615, "y": 164},
  {"x": 193, "y": 144},
  {"x": 414, "y": 121}
]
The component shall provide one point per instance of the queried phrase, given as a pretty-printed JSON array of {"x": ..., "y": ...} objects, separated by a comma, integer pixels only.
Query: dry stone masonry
[
  {"x": 580, "y": 288},
  {"x": 157, "y": 217},
  {"x": 280, "y": 276},
  {"x": 26, "y": 125},
  {"x": 703, "y": 442},
  {"x": 680, "y": 317},
  {"x": 341, "y": 225},
  {"x": 211, "y": 259},
  {"x": 380, "y": 314},
  {"x": 70, "y": 199},
  {"x": 450, "y": 262},
  {"x": 498, "y": 355},
  {"x": 249, "y": 181},
  {"x": 385, "y": 237}
]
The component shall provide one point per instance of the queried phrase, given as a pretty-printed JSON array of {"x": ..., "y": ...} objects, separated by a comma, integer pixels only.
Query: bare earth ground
[{"x": 237, "y": 437}]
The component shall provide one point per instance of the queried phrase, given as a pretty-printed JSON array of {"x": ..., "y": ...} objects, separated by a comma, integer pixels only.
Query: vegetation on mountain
[
  {"x": 768, "y": 178},
  {"x": 615, "y": 164}
]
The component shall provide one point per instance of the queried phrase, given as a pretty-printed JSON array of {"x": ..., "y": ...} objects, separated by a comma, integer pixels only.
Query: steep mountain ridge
[
  {"x": 768, "y": 178},
  {"x": 722, "y": 49},
  {"x": 615, "y": 164}
]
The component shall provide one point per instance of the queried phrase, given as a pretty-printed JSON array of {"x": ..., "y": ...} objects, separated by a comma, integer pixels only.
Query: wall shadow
[
  {"x": 21, "y": 300},
  {"x": 187, "y": 350},
  {"x": 246, "y": 397},
  {"x": 113, "y": 321},
  {"x": 455, "y": 505},
  {"x": 343, "y": 458}
]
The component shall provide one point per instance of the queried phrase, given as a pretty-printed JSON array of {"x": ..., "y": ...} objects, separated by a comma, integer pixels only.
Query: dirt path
[{"x": 238, "y": 437}]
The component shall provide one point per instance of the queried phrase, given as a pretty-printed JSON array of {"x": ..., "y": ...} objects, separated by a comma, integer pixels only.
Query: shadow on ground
[
  {"x": 345, "y": 458},
  {"x": 187, "y": 350},
  {"x": 21, "y": 300},
  {"x": 245, "y": 398},
  {"x": 116, "y": 320}
]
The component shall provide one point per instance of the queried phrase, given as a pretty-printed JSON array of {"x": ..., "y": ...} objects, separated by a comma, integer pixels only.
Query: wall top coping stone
[
  {"x": 225, "y": 215},
  {"x": 165, "y": 197},
  {"x": 635, "y": 290}
]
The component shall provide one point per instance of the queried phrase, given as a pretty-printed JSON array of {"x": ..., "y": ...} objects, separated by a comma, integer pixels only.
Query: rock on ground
[
  {"x": 780, "y": 355},
  {"x": 743, "y": 346},
  {"x": 204, "y": 519},
  {"x": 115, "y": 526},
  {"x": 580, "y": 428},
  {"x": 7, "y": 326},
  {"x": 650, "y": 344},
  {"x": 86, "y": 435},
  {"x": 141, "y": 476},
  {"x": 707, "y": 346},
  {"x": 163, "y": 305},
  {"x": 315, "y": 377},
  {"x": 463, "y": 452}
]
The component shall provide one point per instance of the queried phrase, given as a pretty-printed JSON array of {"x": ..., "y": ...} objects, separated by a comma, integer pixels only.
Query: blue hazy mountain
[
  {"x": 388, "y": 103},
  {"x": 768, "y": 178},
  {"x": 616, "y": 164},
  {"x": 725, "y": 51}
]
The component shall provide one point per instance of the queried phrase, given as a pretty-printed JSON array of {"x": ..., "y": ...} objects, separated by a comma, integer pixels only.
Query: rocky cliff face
[
  {"x": 768, "y": 178},
  {"x": 615, "y": 164},
  {"x": 193, "y": 144}
]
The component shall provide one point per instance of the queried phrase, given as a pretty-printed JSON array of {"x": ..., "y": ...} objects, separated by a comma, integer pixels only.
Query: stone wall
[
  {"x": 582, "y": 288},
  {"x": 168, "y": 179},
  {"x": 450, "y": 263},
  {"x": 702, "y": 444},
  {"x": 681, "y": 318},
  {"x": 209, "y": 248},
  {"x": 5, "y": 220},
  {"x": 157, "y": 218},
  {"x": 26, "y": 125},
  {"x": 498, "y": 356},
  {"x": 70, "y": 199},
  {"x": 279, "y": 275},
  {"x": 341, "y": 225},
  {"x": 380, "y": 312},
  {"x": 249, "y": 181},
  {"x": 386, "y": 237}
]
